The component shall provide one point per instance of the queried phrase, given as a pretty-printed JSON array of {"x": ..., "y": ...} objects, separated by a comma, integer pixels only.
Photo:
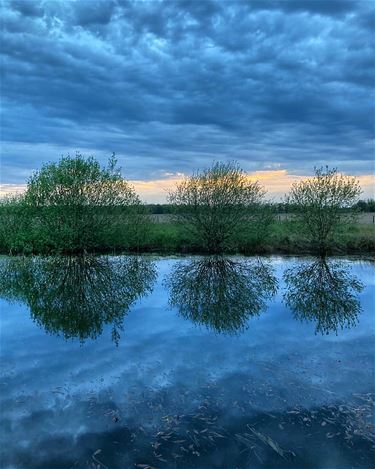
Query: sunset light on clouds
[{"x": 276, "y": 182}]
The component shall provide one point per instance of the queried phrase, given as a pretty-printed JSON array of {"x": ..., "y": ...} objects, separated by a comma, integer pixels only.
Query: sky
[{"x": 171, "y": 86}]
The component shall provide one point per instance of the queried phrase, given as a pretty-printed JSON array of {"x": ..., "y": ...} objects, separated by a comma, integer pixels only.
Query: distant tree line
[
  {"x": 160, "y": 209},
  {"x": 76, "y": 206},
  {"x": 367, "y": 205},
  {"x": 363, "y": 205}
]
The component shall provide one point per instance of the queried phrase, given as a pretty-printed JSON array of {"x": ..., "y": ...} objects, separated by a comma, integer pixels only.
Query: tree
[
  {"x": 16, "y": 231},
  {"x": 75, "y": 203},
  {"x": 365, "y": 205},
  {"x": 322, "y": 203},
  {"x": 217, "y": 204}
]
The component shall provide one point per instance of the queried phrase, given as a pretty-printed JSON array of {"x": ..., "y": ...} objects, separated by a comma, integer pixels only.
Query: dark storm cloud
[
  {"x": 172, "y": 85},
  {"x": 27, "y": 8},
  {"x": 96, "y": 12}
]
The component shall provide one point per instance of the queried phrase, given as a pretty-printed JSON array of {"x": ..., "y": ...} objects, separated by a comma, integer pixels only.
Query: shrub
[{"x": 217, "y": 204}]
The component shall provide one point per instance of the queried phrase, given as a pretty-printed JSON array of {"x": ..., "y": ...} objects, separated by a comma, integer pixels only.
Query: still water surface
[{"x": 190, "y": 363}]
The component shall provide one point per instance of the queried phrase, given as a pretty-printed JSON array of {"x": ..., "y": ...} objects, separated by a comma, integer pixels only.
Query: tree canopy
[
  {"x": 216, "y": 203},
  {"x": 322, "y": 203},
  {"x": 74, "y": 201}
]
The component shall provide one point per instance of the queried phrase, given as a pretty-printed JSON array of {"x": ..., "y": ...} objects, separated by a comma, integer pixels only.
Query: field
[
  {"x": 366, "y": 218},
  {"x": 168, "y": 237},
  {"x": 165, "y": 235}
]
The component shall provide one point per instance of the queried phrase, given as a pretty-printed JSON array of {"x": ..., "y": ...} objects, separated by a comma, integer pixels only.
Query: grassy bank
[
  {"x": 283, "y": 238},
  {"x": 22, "y": 235}
]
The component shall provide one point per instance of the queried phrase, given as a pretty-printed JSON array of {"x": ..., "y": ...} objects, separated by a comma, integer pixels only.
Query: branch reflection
[
  {"x": 76, "y": 296},
  {"x": 324, "y": 292},
  {"x": 219, "y": 292}
]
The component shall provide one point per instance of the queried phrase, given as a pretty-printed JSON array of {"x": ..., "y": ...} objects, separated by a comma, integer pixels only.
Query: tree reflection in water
[
  {"x": 324, "y": 292},
  {"x": 219, "y": 292},
  {"x": 76, "y": 296}
]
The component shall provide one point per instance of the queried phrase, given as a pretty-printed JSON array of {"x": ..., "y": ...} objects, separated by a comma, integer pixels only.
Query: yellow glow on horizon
[{"x": 276, "y": 182}]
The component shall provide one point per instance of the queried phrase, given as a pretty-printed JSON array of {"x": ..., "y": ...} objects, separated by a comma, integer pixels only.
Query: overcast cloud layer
[{"x": 170, "y": 86}]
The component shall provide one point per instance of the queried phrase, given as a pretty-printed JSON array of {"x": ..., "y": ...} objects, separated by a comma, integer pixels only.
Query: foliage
[
  {"x": 73, "y": 204},
  {"x": 283, "y": 237},
  {"x": 218, "y": 203},
  {"x": 325, "y": 293},
  {"x": 75, "y": 296},
  {"x": 320, "y": 202},
  {"x": 362, "y": 205},
  {"x": 219, "y": 292},
  {"x": 16, "y": 229},
  {"x": 160, "y": 209},
  {"x": 76, "y": 206},
  {"x": 365, "y": 205}
]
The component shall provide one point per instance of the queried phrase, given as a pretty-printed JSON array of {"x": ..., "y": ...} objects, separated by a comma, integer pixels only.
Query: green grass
[
  {"x": 168, "y": 238},
  {"x": 283, "y": 237},
  {"x": 349, "y": 239}
]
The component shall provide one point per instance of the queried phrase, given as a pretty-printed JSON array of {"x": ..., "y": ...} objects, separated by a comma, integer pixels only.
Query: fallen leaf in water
[{"x": 285, "y": 454}]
